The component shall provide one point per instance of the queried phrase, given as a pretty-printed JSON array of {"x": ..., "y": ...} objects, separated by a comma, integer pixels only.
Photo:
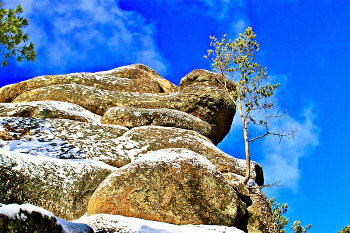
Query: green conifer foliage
[
  {"x": 277, "y": 212},
  {"x": 346, "y": 229},
  {"x": 12, "y": 37},
  {"x": 283, "y": 221},
  {"x": 298, "y": 228}
]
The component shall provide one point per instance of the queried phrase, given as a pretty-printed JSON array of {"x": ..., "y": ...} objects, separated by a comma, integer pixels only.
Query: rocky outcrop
[
  {"x": 177, "y": 186},
  {"x": 127, "y": 142},
  {"x": 135, "y": 117},
  {"x": 57, "y": 159},
  {"x": 202, "y": 94},
  {"x": 28, "y": 218}
]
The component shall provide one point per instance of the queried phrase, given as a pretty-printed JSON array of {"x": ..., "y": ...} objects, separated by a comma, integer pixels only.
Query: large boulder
[
  {"x": 138, "y": 141},
  {"x": 134, "y": 117},
  {"x": 132, "y": 78},
  {"x": 93, "y": 99},
  {"x": 58, "y": 185},
  {"x": 16, "y": 218},
  {"x": 211, "y": 100},
  {"x": 176, "y": 186},
  {"x": 201, "y": 95}
]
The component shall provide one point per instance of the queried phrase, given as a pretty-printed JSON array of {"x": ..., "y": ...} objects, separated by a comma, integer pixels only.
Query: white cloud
[
  {"x": 86, "y": 34},
  {"x": 238, "y": 28},
  {"x": 281, "y": 161},
  {"x": 223, "y": 9},
  {"x": 232, "y": 14}
]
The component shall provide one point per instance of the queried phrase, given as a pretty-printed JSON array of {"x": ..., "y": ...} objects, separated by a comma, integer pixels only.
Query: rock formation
[
  {"x": 129, "y": 143},
  {"x": 201, "y": 94}
]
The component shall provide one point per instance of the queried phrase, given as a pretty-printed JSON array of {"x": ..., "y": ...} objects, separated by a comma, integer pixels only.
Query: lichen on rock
[
  {"x": 58, "y": 185},
  {"x": 133, "y": 78},
  {"x": 134, "y": 117},
  {"x": 176, "y": 186}
]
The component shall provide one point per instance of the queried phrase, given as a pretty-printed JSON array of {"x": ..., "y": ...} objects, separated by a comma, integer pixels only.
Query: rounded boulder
[{"x": 176, "y": 186}]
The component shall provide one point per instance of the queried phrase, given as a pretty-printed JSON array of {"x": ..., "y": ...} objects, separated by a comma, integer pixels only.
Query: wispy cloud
[
  {"x": 281, "y": 160},
  {"x": 86, "y": 34},
  {"x": 232, "y": 14}
]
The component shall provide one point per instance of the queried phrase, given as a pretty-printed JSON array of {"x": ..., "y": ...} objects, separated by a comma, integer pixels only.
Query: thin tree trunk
[{"x": 247, "y": 155}]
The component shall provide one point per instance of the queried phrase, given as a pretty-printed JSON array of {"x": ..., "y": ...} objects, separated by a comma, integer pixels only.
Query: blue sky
[{"x": 305, "y": 46}]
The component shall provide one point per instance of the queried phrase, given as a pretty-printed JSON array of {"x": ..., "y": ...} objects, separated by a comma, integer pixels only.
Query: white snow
[
  {"x": 117, "y": 223},
  {"x": 12, "y": 211},
  {"x": 61, "y": 138},
  {"x": 28, "y": 165},
  {"x": 64, "y": 107},
  {"x": 72, "y": 227},
  {"x": 175, "y": 156}
]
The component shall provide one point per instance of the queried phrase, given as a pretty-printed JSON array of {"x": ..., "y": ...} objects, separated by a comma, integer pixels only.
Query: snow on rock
[
  {"x": 116, "y": 223},
  {"x": 138, "y": 141},
  {"x": 30, "y": 218},
  {"x": 62, "y": 186},
  {"x": 176, "y": 186},
  {"x": 48, "y": 109},
  {"x": 61, "y": 138}
]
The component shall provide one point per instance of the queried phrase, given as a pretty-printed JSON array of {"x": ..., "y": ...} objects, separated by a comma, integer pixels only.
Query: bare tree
[{"x": 235, "y": 60}]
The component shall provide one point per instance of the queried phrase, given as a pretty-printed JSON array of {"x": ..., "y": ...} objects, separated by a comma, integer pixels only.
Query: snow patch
[
  {"x": 12, "y": 210},
  {"x": 117, "y": 223},
  {"x": 64, "y": 107},
  {"x": 174, "y": 157}
]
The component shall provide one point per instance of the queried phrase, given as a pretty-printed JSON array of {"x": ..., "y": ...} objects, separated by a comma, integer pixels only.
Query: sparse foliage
[
  {"x": 297, "y": 228},
  {"x": 346, "y": 229},
  {"x": 282, "y": 221},
  {"x": 11, "y": 36},
  {"x": 277, "y": 212},
  {"x": 235, "y": 60}
]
